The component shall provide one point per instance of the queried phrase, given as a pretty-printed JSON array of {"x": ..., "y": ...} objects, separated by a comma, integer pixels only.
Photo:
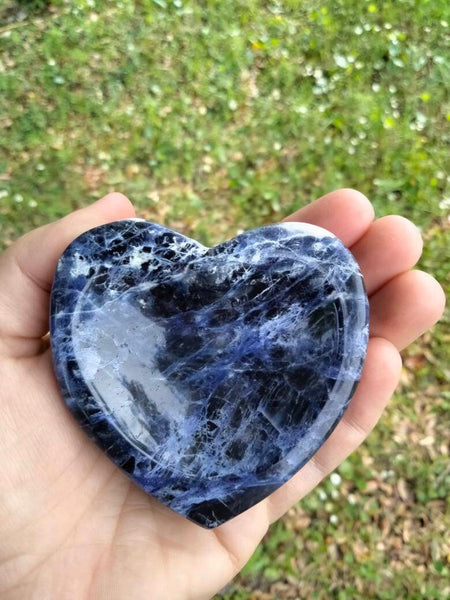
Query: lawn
[{"x": 215, "y": 116}]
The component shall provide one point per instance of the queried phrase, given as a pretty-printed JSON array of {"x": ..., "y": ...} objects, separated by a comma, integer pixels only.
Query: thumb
[{"x": 28, "y": 266}]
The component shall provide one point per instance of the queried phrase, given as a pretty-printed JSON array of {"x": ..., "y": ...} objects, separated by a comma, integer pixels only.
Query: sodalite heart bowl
[{"x": 209, "y": 375}]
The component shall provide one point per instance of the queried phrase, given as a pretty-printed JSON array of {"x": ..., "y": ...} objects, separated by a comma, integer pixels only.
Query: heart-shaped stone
[{"x": 209, "y": 375}]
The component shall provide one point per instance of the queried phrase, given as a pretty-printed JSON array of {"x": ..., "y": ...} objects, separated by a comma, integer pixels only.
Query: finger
[
  {"x": 390, "y": 246},
  {"x": 27, "y": 268},
  {"x": 347, "y": 213},
  {"x": 406, "y": 307},
  {"x": 379, "y": 378}
]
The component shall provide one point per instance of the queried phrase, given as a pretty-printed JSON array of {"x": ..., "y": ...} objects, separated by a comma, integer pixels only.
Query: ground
[{"x": 217, "y": 116}]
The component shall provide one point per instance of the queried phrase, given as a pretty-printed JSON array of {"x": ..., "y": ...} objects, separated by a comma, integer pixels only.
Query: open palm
[{"x": 72, "y": 526}]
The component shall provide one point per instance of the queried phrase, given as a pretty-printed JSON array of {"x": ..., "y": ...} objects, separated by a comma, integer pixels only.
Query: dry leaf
[{"x": 403, "y": 491}]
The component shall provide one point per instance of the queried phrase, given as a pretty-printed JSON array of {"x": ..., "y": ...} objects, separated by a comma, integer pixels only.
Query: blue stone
[{"x": 209, "y": 375}]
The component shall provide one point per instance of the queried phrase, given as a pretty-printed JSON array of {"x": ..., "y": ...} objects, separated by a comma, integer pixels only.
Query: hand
[{"x": 72, "y": 526}]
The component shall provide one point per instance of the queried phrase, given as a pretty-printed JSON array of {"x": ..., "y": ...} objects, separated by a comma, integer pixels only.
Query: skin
[{"x": 72, "y": 526}]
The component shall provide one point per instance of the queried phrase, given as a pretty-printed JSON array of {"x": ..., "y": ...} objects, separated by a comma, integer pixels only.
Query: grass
[{"x": 218, "y": 116}]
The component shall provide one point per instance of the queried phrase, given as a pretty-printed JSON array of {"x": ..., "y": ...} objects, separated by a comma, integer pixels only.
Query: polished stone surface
[{"x": 209, "y": 375}]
